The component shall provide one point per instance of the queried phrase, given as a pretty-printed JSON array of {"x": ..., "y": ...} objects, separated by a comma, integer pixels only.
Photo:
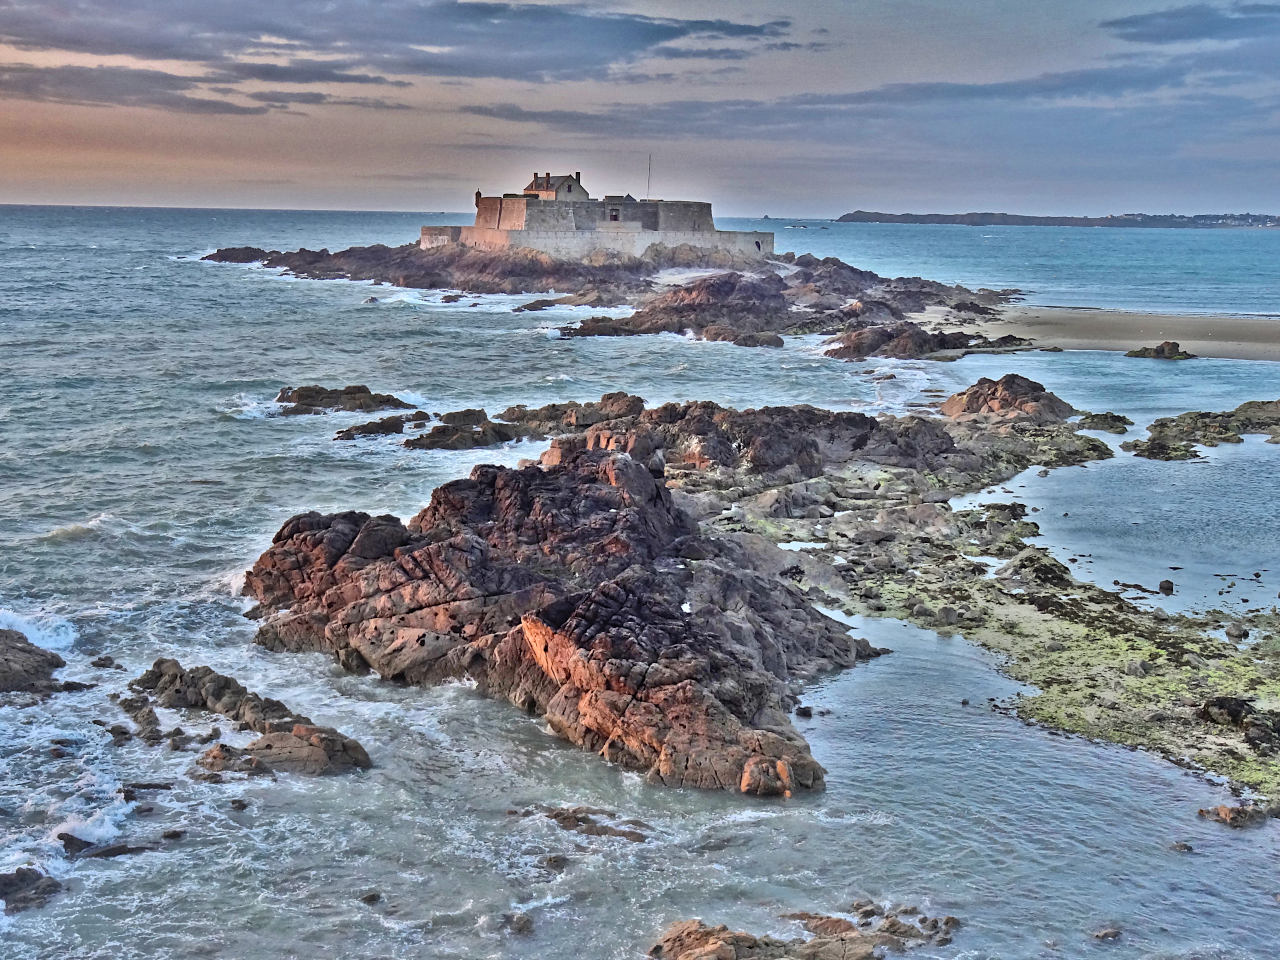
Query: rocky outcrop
[
  {"x": 907, "y": 340},
  {"x": 832, "y": 938},
  {"x": 579, "y": 592},
  {"x": 734, "y": 305},
  {"x": 289, "y": 743},
  {"x": 384, "y": 427},
  {"x": 1106, "y": 422},
  {"x": 1173, "y": 438},
  {"x": 26, "y": 888},
  {"x": 24, "y": 667},
  {"x": 796, "y": 441},
  {"x": 1169, "y": 350},
  {"x": 465, "y": 436},
  {"x": 794, "y": 294},
  {"x": 315, "y": 399},
  {"x": 456, "y": 267},
  {"x": 1010, "y": 396}
]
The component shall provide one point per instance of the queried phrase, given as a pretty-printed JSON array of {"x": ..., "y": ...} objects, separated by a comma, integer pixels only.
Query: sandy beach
[{"x": 1085, "y": 328}]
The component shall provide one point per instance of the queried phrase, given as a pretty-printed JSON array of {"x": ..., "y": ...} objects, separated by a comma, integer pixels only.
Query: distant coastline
[{"x": 1202, "y": 221}]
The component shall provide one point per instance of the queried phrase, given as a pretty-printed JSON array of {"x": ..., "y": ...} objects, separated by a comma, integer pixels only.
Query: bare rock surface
[
  {"x": 1169, "y": 350},
  {"x": 288, "y": 743},
  {"x": 315, "y": 399},
  {"x": 1012, "y": 395},
  {"x": 24, "y": 667},
  {"x": 578, "y": 591}
]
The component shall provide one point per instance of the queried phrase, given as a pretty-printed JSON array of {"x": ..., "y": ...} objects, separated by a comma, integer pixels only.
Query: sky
[{"x": 763, "y": 107}]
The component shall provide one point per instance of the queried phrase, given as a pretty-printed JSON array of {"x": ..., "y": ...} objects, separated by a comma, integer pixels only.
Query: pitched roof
[{"x": 541, "y": 183}]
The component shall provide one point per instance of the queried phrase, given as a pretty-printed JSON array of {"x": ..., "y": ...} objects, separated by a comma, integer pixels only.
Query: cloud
[
  {"x": 1241, "y": 21},
  {"x": 282, "y": 98},
  {"x": 112, "y": 86},
  {"x": 326, "y": 42},
  {"x": 815, "y": 115}
]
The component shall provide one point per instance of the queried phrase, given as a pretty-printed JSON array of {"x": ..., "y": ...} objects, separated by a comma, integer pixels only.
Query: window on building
[
  {"x": 569, "y": 188},
  {"x": 614, "y": 213}
]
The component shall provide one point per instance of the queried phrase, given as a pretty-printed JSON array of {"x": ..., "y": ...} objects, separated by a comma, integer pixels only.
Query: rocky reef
[
  {"x": 1168, "y": 350},
  {"x": 289, "y": 743},
  {"x": 1175, "y": 438},
  {"x": 747, "y": 303}
]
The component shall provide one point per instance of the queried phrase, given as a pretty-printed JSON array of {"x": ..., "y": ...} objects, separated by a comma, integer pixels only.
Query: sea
[{"x": 143, "y": 469}]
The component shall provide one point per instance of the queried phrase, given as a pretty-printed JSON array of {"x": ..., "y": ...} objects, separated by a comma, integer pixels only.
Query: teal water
[
  {"x": 1160, "y": 270},
  {"x": 141, "y": 473}
]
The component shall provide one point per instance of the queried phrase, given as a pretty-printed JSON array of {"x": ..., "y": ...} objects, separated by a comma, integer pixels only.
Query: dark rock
[
  {"x": 24, "y": 667},
  {"x": 381, "y": 428},
  {"x": 1245, "y": 815},
  {"x": 370, "y": 898},
  {"x": 26, "y": 888},
  {"x": 73, "y": 845},
  {"x": 1169, "y": 350},
  {"x": 1109, "y": 422},
  {"x": 317, "y": 399},
  {"x": 289, "y": 743}
]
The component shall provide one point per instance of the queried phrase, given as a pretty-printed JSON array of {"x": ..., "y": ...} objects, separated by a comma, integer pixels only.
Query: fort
[{"x": 556, "y": 215}]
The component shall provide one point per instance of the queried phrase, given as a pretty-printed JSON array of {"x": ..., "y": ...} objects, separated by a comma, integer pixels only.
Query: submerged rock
[
  {"x": 26, "y": 888},
  {"x": 289, "y": 743},
  {"x": 24, "y": 667},
  {"x": 1173, "y": 438}
]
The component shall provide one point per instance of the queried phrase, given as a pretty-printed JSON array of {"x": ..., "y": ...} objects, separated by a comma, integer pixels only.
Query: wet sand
[{"x": 1086, "y": 328}]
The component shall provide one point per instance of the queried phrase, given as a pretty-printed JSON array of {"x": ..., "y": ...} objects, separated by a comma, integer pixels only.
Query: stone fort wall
[{"x": 575, "y": 229}]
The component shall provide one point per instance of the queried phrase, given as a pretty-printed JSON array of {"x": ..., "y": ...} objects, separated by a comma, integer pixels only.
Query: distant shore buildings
[{"x": 558, "y": 216}]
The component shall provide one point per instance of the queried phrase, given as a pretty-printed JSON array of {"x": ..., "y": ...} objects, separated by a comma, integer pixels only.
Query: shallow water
[{"x": 142, "y": 473}]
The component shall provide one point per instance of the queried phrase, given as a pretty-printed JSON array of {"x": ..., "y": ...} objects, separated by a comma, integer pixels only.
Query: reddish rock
[
  {"x": 289, "y": 743},
  {"x": 1010, "y": 396},
  {"x": 566, "y": 591}
]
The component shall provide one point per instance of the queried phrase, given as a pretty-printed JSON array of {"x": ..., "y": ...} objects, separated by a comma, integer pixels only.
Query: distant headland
[{"x": 1197, "y": 221}]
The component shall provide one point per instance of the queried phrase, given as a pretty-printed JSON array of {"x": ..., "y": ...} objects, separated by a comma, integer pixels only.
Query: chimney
[
  {"x": 577, "y": 175},
  {"x": 535, "y": 180},
  {"x": 548, "y": 180}
]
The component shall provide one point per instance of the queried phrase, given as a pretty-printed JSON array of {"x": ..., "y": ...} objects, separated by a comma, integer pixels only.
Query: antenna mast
[{"x": 648, "y": 180}]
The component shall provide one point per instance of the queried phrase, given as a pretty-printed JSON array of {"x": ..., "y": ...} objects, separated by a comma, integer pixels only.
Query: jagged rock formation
[
  {"x": 1169, "y": 350},
  {"x": 578, "y": 591},
  {"x": 24, "y": 667},
  {"x": 1173, "y": 438},
  {"x": 289, "y": 743},
  {"x": 316, "y": 399}
]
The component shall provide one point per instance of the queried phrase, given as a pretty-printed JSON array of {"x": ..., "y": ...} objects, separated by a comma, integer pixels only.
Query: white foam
[
  {"x": 78, "y": 531},
  {"x": 245, "y": 406},
  {"x": 52, "y": 633}
]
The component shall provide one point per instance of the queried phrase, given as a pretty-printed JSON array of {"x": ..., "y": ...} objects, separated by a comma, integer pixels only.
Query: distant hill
[{"x": 1201, "y": 221}]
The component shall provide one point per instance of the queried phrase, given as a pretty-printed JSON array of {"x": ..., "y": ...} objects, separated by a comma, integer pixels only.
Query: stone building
[{"x": 556, "y": 215}]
